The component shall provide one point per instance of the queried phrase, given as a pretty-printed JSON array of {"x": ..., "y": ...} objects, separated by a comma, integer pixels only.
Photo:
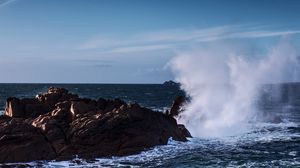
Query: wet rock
[
  {"x": 177, "y": 106},
  {"x": 81, "y": 127},
  {"x": 184, "y": 131}
]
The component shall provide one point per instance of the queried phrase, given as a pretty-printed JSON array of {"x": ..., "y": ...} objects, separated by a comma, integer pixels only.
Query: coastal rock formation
[
  {"x": 176, "y": 108},
  {"x": 60, "y": 125},
  {"x": 42, "y": 104}
]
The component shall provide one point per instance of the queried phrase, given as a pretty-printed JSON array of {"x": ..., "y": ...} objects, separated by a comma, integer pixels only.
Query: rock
[
  {"x": 55, "y": 95},
  {"x": 177, "y": 106},
  {"x": 14, "y": 108},
  {"x": 63, "y": 105},
  {"x": 127, "y": 130},
  {"x": 80, "y": 127},
  {"x": 184, "y": 131},
  {"x": 54, "y": 126},
  {"x": 101, "y": 103},
  {"x": 81, "y": 107},
  {"x": 21, "y": 142},
  {"x": 113, "y": 104},
  {"x": 42, "y": 104}
]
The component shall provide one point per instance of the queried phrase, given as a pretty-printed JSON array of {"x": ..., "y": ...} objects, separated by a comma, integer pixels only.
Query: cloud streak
[
  {"x": 4, "y": 3},
  {"x": 140, "y": 48},
  {"x": 174, "y": 38}
]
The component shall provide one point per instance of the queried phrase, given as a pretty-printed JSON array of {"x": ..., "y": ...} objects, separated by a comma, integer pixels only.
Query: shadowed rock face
[
  {"x": 177, "y": 106},
  {"x": 59, "y": 125},
  {"x": 20, "y": 142}
]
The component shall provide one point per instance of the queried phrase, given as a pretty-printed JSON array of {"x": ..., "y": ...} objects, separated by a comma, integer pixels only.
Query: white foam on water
[
  {"x": 160, "y": 155},
  {"x": 217, "y": 151}
]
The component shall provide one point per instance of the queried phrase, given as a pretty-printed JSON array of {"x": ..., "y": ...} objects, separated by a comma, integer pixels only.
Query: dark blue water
[
  {"x": 265, "y": 144},
  {"x": 154, "y": 96}
]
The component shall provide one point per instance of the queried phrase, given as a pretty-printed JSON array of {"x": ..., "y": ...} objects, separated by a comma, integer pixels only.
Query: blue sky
[{"x": 128, "y": 41}]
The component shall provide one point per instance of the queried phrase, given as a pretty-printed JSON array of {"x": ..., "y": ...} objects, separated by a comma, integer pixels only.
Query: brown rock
[
  {"x": 112, "y": 104},
  {"x": 81, "y": 107},
  {"x": 42, "y": 104},
  {"x": 21, "y": 142},
  {"x": 130, "y": 129},
  {"x": 62, "y": 125},
  {"x": 54, "y": 126},
  {"x": 14, "y": 108}
]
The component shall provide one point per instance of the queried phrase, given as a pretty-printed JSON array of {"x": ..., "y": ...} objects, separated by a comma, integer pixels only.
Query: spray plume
[{"x": 223, "y": 85}]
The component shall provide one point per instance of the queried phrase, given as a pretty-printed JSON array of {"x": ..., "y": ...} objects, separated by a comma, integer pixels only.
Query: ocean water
[
  {"x": 154, "y": 96},
  {"x": 265, "y": 144}
]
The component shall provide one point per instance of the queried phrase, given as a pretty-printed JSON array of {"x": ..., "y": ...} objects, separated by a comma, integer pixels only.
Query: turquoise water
[{"x": 265, "y": 144}]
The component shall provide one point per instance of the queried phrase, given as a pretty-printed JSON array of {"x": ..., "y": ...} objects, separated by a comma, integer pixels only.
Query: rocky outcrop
[
  {"x": 42, "y": 104},
  {"x": 177, "y": 106},
  {"x": 59, "y": 125}
]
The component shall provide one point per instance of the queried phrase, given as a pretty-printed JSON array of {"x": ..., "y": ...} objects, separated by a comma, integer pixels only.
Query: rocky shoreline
[{"x": 58, "y": 125}]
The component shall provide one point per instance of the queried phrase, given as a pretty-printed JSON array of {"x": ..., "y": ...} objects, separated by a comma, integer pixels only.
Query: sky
[{"x": 129, "y": 41}]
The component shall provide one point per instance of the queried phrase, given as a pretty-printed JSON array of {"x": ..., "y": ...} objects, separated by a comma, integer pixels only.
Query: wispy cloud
[
  {"x": 6, "y": 2},
  {"x": 168, "y": 39},
  {"x": 140, "y": 48}
]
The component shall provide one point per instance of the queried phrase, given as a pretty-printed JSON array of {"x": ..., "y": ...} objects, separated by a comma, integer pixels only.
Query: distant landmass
[{"x": 171, "y": 83}]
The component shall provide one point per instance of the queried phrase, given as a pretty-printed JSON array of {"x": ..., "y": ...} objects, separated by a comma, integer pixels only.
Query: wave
[
  {"x": 224, "y": 83},
  {"x": 266, "y": 144}
]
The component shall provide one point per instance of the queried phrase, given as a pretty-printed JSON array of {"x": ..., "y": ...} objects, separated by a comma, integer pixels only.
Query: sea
[{"x": 266, "y": 144}]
